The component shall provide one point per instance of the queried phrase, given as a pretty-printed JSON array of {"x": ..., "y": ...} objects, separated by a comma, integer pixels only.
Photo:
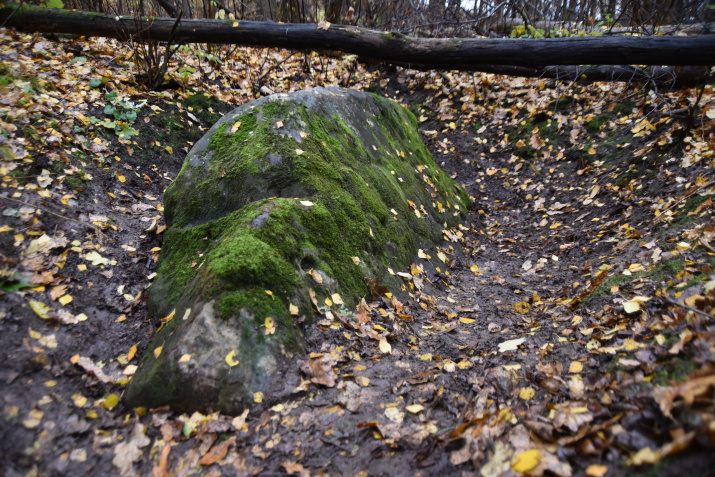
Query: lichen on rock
[{"x": 279, "y": 191}]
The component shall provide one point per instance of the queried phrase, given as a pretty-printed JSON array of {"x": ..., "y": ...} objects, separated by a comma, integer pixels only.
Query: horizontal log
[{"x": 452, "y": 53}]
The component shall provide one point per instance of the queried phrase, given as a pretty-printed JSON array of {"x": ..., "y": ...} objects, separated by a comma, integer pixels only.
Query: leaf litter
[{"x": 564, "y": 329}]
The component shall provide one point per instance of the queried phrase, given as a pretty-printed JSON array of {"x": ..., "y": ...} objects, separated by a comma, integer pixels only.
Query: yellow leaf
[
  {"x": 111, "y": 401},
  {"x": 230, "y": 359},
  {"x": 258, "y": 397},
  {"x": 293, "y": 310},
  {"x": 426, "y": 357},
  {"x": 328, "y": 302},
  {"x": 40, "y": 309},
  {"x": 121, "y": 178},
  {"x": 415, "y": 408},
  {"x": 65, "y": 299},
  {"x": 526, "y": 461},
  {"x": 355, "y": 260},
  {"x": 521, "y": 307},
  {"x": 474, "y": 269},
  {"x": 270, "y": 326},
  {"x": 385, "y": 346},
  {"x": 169, "y": 149},
  {"x": 467, "y": 321},
  {"x": 363, "y": 381},
  {"x": 270, "y": 293},
  {"x": 235, "y": 126},
  {"x": 169, "y": 317},
  {"x": 5, "y": 228},
  {"x": 575, "y": 367},
  {"x": 79, "y": 400},
  {"x": 527, "y": 393},
  {"x": 592, "y": 150},
  {"x": 631, "y": 345},
  {"x": 299, "y": 151},
  {"x": 316, "y": 276},
  {"x": 442, "y": 257},
  {"x": 645, "y": 456},
  {"x": 423, "y": 255},
  {"x": 185, "y": 358},
  {"x": 157, "y": 351},
  {"x": 132, "y": 352},
  {"x": 337, "y": 299},
  {"x": 631, "y": 306},
  {"x": 596, "y": 470}
]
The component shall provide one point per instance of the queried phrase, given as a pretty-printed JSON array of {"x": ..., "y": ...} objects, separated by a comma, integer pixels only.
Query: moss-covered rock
[{"x": 328, "y": 182}]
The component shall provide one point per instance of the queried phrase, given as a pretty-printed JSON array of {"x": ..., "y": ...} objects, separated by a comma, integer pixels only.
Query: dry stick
[
  {"x": 688, "y": 195},
  {"x": 466, "y": 407},
  {"x": 689, "y": 308},
  {"x": 57, "y": 215}
]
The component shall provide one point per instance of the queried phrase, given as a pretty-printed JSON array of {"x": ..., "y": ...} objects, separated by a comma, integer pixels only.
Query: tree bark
[{"x": 423, "y": 53}]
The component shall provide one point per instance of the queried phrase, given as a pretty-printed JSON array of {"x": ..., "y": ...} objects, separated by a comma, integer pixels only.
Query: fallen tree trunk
[
  {"x": 668, "y": 77},
  {"x": 506, "y": 25},
  {"x": 525, "y": 57}
]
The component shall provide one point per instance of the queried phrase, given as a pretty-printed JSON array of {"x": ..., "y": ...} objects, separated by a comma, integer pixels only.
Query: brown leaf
[
  {"x": 376, "y": 290},
  {"x": 162, "y": 470},
  {"x": 697, "y": 384},
  {"x": 217, "y": 452},
  {"x": 321, "y": 370},
  {"x": 314, "y": 300}
]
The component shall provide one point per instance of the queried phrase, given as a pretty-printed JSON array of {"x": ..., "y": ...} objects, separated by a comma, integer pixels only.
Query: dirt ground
[{"x": 564, "y": 329}]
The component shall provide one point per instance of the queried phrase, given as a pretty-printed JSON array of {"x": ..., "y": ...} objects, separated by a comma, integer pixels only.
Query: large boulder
[{"x": 286, "y": 196}]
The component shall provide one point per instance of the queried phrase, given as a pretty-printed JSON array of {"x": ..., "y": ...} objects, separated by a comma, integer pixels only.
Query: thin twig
[
  {"x": 689, "y": 308},
  {"x": 466, "y": 407},
  {"x": 685, "y": 196},
  {"x": 57, "y": 215}
]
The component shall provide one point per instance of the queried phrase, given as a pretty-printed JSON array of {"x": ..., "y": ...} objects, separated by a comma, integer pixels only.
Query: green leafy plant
[{"x": 121, "y": 114}]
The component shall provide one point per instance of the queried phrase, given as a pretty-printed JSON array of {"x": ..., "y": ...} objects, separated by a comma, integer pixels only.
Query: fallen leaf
[
  {"x": 511, "y": 345},
  {"x": 385, "y": 346},
  {"x": 527, "y": 393},
  {"x": 96, "y": 259},
  {"x": 231, "y": 359},
  {"x": 394, "y": 414},
  {"x": 128, "y": 452},
  {"x": 40, "y": 309},
  {"x": 521, "y": 307},
  {"x": 526, "y": 461},
  {"x": 111, "y": 401},
  {"x": 575, "y": 367},
  {"x": 270, "y": 325},
  {"x": 315, "y": 274},
  {"x": 596, "y": 470}
]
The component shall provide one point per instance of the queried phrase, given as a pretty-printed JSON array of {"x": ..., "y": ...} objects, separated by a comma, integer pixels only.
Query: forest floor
[{"x": 566, "y": 328}]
